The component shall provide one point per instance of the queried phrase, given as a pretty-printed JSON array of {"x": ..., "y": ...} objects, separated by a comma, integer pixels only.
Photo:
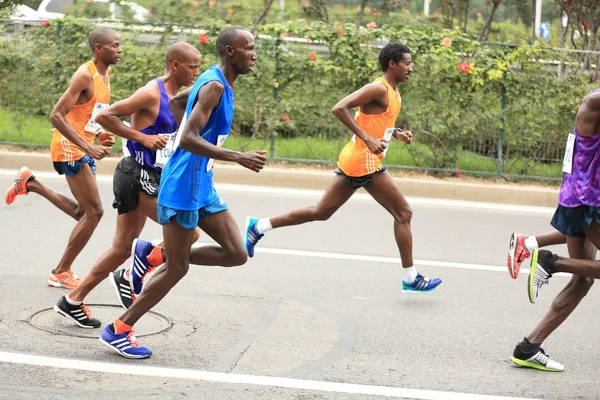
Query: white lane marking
[
  {"x": 142, "y": 370},
  {"x": 387, "y": 260},
  {"x": 357, "y": 196}
]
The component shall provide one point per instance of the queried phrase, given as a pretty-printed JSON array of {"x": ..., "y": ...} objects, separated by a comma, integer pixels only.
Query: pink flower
[
  {"x": 446, "y": 42},
  {"x": 465, "y": 67},
  {"x": 371, "y": 25},
  {"x": 312, "y": 57},
  {"x": 46, "y": 23},
  {"x": 285, "y": 117},
  {"x": 230, "y": 11},
  {"x": 203, "y": 39}
]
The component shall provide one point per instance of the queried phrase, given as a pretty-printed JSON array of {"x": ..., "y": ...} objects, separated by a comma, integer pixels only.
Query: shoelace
[
  {"x": 87, "y": 311},
  {"x": 543, "y": 357},
  {"x": 132, "y": 339}
]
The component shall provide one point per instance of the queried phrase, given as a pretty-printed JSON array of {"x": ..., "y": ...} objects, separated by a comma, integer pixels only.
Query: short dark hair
[
  {"x": 392, "y": 52},
  {"x": 99, "y": 35},
  {"x": 227, "y": 37}
]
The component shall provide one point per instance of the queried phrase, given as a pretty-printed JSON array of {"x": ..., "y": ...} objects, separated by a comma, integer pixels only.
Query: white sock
[
  {"x": 531, "y": 243},
  {"x": 73, "y": 302},
  {"x": 410, "y": 274},
  {"x": 264, "y": 225}
]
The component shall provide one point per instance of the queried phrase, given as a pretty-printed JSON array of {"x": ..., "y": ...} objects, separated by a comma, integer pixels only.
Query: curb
[{"x": 315, "y": 179}]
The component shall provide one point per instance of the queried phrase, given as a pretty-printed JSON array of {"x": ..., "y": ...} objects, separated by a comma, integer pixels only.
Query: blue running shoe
[
  {"x": 140, "y": 266},
  {"x": 421, "y": 285},
  {"x": 252, "y": 235},
  {"x": 124, "y": 343}
]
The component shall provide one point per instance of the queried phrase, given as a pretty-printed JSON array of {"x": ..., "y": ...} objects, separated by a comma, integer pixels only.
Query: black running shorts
[
  {"x": 359, "y": 181},
  {"x": 129, "y": 180}
]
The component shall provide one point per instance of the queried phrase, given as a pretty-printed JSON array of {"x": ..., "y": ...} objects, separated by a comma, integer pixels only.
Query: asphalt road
[{"x": 319, "y": 303}]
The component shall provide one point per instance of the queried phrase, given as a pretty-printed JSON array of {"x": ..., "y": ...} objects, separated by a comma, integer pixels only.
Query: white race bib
[
  {"x": 92, "y": 126},
  {"x": 389, "y": 132},
  {"x": 162, "y": 156},
  {"x": 568, "y": 159},
  {"x": 220, "y": 141}
]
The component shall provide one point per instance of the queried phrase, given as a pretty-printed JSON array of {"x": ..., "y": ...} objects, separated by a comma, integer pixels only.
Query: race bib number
[
  {"x": 220, "y": 141},
  {"x": 568, "y": 160},
  {"x": 389, "y": 132},
  {"x": 92, "y": 126},
  {"x": 162, "y": 156}
]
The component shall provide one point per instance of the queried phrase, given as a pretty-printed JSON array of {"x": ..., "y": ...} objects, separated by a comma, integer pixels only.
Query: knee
[
  {"x": 237, "y": 257},
  {"x": 79, "y": 213},
  {"x": 122, "y": 253},
  {"x": 404, "y": 216},
  {"x": 323, "y": 213},
  {"x": 94, "y": 214},
  {"x": 574, "y": 292},
  {"x": 583, "y": 285},
  {"x": 177, "y": 268},
  {"x": 196, "y": 235}
]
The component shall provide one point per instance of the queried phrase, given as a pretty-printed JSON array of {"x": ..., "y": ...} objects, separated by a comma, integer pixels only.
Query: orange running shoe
[
  {"x": 67, "y": 280},
  {"x": 517, "y": 253},
  {"x": 19, "y": 186}
]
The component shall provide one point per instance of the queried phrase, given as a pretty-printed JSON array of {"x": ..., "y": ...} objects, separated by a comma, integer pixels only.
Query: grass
[{"x": 37, "y": 130}]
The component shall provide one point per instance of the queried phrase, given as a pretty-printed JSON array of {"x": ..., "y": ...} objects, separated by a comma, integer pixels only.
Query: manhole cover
[{"x": 48, "y": 320}]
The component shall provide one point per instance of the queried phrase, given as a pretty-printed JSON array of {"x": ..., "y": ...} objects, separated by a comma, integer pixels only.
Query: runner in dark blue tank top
[
  {"x": 137, "y": 176},
  {"x": 190, "y": 200}
]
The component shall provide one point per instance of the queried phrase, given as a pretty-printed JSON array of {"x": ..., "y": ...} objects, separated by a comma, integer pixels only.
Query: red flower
[
  {"x": 285, "y": 117},
  {"x": 46, "y": 23},
  {"x": 203, "y": 39},
  {"x": 312, "y": 57},
  {"x": 465, "y": 67}
]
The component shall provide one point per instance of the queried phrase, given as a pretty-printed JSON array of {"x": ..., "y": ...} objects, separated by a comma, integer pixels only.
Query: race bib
[
  {"x": 92, "y": 126},
  {"x": 220, "y": 141},
  {"x": 389, "y": 132},
  {"x": 162, "y": 156},
  {"x": 568, "y": 159}
]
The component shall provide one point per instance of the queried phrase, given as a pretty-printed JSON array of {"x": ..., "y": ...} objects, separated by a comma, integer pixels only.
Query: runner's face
[
  {"x": 244, "y": 53},
  {"x": 187, "y": 71},
  {"x": 111, "y": 49},
  {"x": 403, "y": 68}
]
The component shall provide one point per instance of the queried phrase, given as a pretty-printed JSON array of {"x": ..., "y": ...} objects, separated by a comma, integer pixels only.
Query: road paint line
[
  {"x": 357, "y": 196},
  {"x": 388, "y": 260},
  {"x": 271, "y": 381}
]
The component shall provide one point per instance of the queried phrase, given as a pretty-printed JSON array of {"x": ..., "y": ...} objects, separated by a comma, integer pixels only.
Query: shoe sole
[
  {"x": 512, "y": 250},
  {"x": 63, "y": 314},
  {"x": 133, "y": 246},
  {"x": 247, "y": 225},
  {"x": 122, "y": 354},
  {"x": 528, "y": 364},
  {"x": 114, "y": 283},
  {"x": 11, "y": 186},
  {"x": 532, "y": 270},
  {"x": 420, "y": 291}
]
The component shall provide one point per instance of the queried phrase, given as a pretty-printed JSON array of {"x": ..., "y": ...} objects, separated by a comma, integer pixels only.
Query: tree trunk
[
  {"x": 361, "y": 13},
  {"x": 533, "y": 8},
  {"x": 483, "y": 36},
  {"x": 263, "y": 14},
  {"x": 466, "y": 15}
]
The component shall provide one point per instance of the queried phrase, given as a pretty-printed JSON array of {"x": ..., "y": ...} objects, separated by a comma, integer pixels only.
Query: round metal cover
[{"x": 50, "y": 321}]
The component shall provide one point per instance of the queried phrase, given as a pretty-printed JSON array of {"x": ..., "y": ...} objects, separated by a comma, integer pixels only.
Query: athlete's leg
[
  {"x": 178, "y": 241},
  {"x": 83, "y": 186},
  {"x": 387, "y": 193},
  {"x": 129, "y": 227},
  {"x": 336, "y": 194}
]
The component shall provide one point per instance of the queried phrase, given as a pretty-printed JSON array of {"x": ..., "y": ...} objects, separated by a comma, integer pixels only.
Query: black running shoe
[
  {"x": 80, "y": 314},
  {"x": 531, "y": 355},
  {"x": 122, "y": 287}
]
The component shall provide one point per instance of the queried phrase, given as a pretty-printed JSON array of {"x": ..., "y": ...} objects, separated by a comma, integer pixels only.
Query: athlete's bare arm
[
  {"x": 372, "y": 99},
  {"x": 79, "y": 91},
  {"x": 178, "y": 104},
  {"x": 143, "y": 106},
  {"x": 208, "y": 99},
  {"x": 587, "y": 121}
]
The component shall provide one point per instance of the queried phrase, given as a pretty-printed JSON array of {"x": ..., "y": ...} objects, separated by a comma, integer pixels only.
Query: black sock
[
  {"x": 528, "y": 347},
  {"x": 111, "y": 328}
]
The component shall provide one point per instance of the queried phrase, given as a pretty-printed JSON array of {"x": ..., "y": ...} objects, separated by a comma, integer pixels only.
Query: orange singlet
[
  {"x": 81, "y": 118},
  {"x": 355, "y": 158}
]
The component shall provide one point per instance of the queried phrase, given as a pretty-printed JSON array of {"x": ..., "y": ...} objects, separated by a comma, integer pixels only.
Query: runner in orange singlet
[
  {"x": 359, "y": 164},
  {"x": 73, "y": 150}
]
